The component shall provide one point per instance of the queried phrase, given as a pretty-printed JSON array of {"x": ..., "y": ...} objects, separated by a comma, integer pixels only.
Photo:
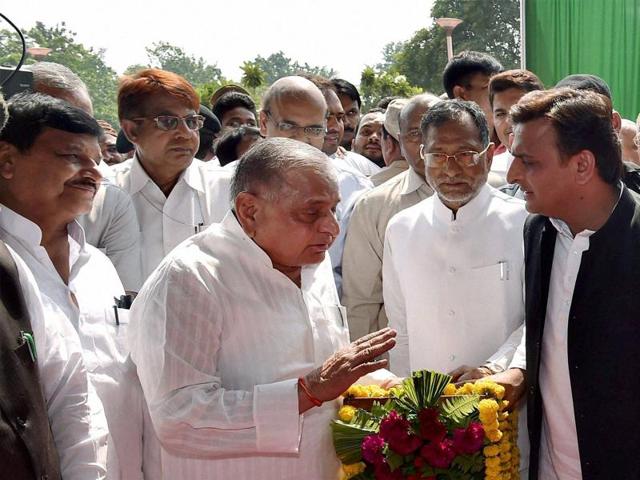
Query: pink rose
[
  {"x": 439, "y": 454},
  {"x": 469, "y": 440}
]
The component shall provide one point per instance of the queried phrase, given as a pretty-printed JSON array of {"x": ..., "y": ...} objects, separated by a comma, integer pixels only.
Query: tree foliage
[
  {"x": 87, "y": 63},
  {"x": 252, "y": 75},
  {"x": 278, "y": 65},
  {"x": 170, "y": 57},
  {"x": 375, "y": 84},
  {"x": 490, "y": 26}
]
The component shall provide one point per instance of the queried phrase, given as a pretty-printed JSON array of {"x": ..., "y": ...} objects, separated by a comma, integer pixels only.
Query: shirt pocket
[
  {"x": 98, "y": 336},
  {"x": 486, "y": 289}
]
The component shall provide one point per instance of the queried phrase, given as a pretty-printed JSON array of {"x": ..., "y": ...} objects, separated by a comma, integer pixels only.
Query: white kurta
[
  {"x": 112, "y": 227},
  {"x": 80, "y": 433},
  {"x": 94, "y": 283},
  {"x": 200, "y": 198},
  {"x": 219, "y": 338},
  {"x": 352, "y": 185}
]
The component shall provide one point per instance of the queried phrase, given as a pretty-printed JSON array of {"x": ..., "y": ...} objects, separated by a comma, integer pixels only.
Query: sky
[{"x": 345, "y": 35}]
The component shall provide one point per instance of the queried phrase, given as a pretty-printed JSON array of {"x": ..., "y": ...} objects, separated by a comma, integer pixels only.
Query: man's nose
[{"x": 514, "y": 174}]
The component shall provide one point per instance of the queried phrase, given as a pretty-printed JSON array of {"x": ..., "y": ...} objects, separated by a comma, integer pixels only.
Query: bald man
[
  {"x": 628, "y": 133},
  {"x": 293, "y": 107}
]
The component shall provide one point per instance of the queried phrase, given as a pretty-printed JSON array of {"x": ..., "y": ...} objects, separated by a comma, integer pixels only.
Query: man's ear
[
  {"x": 262, "y": 119},
  {"x": 585, "y": 166},
  {"x": 489, "y": 155},
  {"x": 459, "y": 92},
  {"x": 247, "y": 207},
  {"x": 131, "y": 130},
  {"x": 8, "y": 154},
  {"x": 616, "y": 122}
]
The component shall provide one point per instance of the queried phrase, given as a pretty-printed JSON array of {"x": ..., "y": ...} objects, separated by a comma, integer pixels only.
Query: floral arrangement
[{"x": 428, "y": 429}]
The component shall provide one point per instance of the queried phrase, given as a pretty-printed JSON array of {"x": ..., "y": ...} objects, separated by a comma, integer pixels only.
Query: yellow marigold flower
[
  {"x": 491, "y": 425},
  {"x": 502, "y": 416},
  {"x": 487, "y": 407},
  {"x": 491, "y": 389},
  {"x": 494, "y": 471},
  {"x": 505, "y": 446},
  {"x": 450, "y": 389},
  {"x": 352, "y": 470},
  {"x": 346, "y": 413},
  {"x": 466, "y": 389},
  {"x": 505, "y": 457},
  {"x": 492, "y": 462},
  {"x": 491, "y": 450},
  {"x": 493, "y": 435}
]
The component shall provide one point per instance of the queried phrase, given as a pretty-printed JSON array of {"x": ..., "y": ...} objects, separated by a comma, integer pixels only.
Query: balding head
[
  {"x": 628, "y": 134},
  {"x": 294, "y": 107},
  {"x": 410, "y": 133},
  {"x": 60, "y": 82}
]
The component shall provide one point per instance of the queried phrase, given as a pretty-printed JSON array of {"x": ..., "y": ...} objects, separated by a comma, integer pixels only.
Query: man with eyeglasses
[
  {"x": 175, "y": 195},
  {"x": 453, "y": 264},
  {"x": 362, "y": 265},
  {"x": 294, "y": 107}
]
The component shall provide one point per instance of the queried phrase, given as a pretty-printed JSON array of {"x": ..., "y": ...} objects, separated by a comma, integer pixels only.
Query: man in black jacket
[{"x": 582, "y": 256}]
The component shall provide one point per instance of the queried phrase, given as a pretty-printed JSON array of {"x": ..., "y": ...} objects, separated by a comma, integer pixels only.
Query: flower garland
[{"x": 494, "y": 433}]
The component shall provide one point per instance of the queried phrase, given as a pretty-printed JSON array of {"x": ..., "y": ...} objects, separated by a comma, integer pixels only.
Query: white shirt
[
  {"x": 358, "y": 162},
  {"x": 352, "y": 185},
  {"x": 112, "y": 227},
  {"x": 559, "y": 452},
  {"x": 79, "y": 431},
  {"x": 499, "y": 168},
  {"x": 200, "y": 198},
  {"x": 220, "y": 338},
  {"x": 94, "y": 283}
]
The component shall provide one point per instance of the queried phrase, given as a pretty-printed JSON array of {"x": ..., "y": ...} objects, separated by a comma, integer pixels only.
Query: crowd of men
[{"x": 189, "y": 296}]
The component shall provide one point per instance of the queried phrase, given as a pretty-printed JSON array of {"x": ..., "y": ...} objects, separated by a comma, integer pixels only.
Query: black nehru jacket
[
  {"x": 27, "y": 450},
  {"x": 603, "y": 341}
]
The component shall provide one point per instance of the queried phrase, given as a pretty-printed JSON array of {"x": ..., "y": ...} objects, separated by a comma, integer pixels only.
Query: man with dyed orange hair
[{"x": 174, "y": 194}]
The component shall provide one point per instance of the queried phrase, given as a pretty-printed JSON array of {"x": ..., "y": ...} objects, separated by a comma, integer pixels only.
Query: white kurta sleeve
[
  {"x": 176, "y": 332},
  {"x": 121, "y": 238},
  {"x": 395, "y": 307},
  {"x": 75, "y": 413},
  {"x": 509, "y": 353}
]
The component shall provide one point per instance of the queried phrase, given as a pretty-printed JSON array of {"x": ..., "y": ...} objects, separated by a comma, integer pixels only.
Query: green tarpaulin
[{"x": 601, "y": 37}]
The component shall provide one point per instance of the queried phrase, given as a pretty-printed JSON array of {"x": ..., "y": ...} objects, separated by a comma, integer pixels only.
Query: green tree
[
  {"x": 170, "y": 57},
  {"x": 491, "y": 26},
  {"x": 136, "y": 67},
  {"x": 376, "y": 84},
  {"x": 278, "y": 65},
  {"x": 87, "y": 63},
  {"x": 252, "y": 75}
]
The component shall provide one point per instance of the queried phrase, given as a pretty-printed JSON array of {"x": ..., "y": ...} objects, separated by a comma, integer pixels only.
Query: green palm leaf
[
  {"x": 458, "y": 409},
  {"x": 422, "y": 390}
]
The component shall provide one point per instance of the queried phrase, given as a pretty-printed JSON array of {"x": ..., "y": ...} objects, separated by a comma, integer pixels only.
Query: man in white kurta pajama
[{"x": 232, "y": 330}]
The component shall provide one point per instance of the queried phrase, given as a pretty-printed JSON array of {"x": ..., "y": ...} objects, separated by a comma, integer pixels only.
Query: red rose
[
  {"x": 439, "y": 454},
  {"x": 431, "y": 428},
  {"x": 383, "y": 472},
  {"x": 469, "y": 440},
  {"x": 396, "y": 431},
  {"x": 372, "y": 446}
]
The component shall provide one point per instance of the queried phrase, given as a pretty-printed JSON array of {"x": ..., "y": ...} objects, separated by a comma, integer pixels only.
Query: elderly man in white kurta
[
  {"x": 453, "y": 263},
  {"x": 239, "y": 338}
]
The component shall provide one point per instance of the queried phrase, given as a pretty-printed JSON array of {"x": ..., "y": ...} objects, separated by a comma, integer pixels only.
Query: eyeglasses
[
  {"x": 467, "y": 159},
  {"x": 171, "y": 122},
  {"x": 287, "y": 127}
]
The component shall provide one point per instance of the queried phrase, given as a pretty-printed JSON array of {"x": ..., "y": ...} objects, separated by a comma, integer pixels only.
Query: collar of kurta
[
  {"x": 252, "y": 249},
  {"x": 413, "y": 182},
  {"x": 472, "y": 211},
  {"x": 29, "y": 234},
  {"x": 138, "y": 177}
]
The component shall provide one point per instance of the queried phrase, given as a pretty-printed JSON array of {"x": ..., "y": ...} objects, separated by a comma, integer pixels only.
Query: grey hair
[
  {"x": 267, "y": 162},
  {"x": 447, "y": 110},
  {"x": 54, "y": 75}
]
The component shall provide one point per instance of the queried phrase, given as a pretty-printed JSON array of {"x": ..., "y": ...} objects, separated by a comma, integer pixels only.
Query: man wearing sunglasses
[
  {"x": 175, "y": 195},
  {"x": 453, "y": 263}
]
